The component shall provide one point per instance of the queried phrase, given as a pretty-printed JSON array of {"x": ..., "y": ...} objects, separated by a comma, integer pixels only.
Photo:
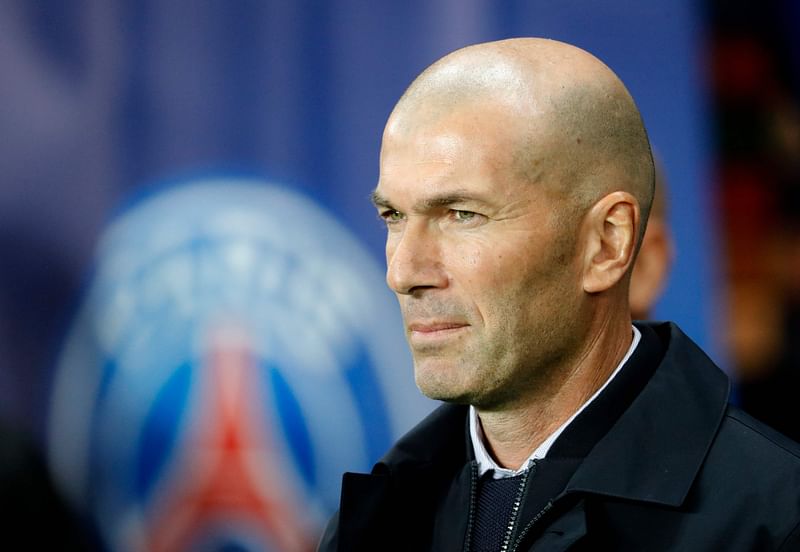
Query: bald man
[
  {"x": 654, "y": 259},
  {"x": 515, "y": 182}
]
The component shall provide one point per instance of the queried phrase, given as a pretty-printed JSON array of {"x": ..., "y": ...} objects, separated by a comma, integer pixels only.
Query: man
[
  {"x": 654, "y": 259},
  {"x": 515, "y": 181}
]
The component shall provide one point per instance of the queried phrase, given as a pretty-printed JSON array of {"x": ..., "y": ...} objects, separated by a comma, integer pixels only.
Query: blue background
[{"x": 101, "y": 99}]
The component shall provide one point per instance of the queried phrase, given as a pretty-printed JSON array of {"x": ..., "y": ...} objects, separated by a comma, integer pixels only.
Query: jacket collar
[{"x": 654, "y": 451}]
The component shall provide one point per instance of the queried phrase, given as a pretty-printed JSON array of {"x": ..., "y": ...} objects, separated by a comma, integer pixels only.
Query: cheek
[
  {"x": 504, "y": 268},
  {"x": 476, "y": 268},
  {"x": 491, "y": 276},
  {"x": 472, "y": 259}
]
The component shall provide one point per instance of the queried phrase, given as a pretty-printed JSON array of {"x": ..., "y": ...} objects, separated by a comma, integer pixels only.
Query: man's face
[{"x": 483, "y": 264}]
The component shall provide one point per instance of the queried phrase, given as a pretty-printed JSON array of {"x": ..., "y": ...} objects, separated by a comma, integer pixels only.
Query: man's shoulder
[
  {"x": 755, "y": 466},
  {"x": 754, "y": 442},
  {"x": 752, "y": 475}
]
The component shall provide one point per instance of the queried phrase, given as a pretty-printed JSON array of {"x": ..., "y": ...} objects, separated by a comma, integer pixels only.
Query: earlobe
[{"x": 612, "y": 226}]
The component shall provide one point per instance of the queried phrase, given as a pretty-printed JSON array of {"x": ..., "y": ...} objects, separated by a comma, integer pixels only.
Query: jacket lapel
[
  {"x": 393, "y": 508},
  {"x": 364, "y": 510},
  {"x": 452, "y": 518}
]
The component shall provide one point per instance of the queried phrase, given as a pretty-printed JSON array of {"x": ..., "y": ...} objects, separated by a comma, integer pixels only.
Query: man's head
[{"x": 515, "y": 179}]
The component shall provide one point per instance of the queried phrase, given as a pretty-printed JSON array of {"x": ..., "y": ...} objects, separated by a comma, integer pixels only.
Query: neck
[{"x": 513, "y": 431}]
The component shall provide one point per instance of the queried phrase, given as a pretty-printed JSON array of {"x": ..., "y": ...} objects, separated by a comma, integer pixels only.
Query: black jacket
[
  {"x": 659, "y": 461},
  {"x": 33, "y": 515}
]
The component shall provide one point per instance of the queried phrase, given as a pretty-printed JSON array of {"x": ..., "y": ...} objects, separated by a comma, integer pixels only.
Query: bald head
[{"x": 575, "y": 128}]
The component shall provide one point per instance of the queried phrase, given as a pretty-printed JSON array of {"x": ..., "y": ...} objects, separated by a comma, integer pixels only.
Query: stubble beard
[
  {"x": 493, "y": 374},
  {"x": 467, "y": 374}
]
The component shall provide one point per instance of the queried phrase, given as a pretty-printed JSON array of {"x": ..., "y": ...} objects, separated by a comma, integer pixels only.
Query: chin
[
  {"x": 436, "y": 382},
  {"x": 481, "y": 398},
  {"x": 445, "y": 396},
  {"x": 439, "y": 387}
]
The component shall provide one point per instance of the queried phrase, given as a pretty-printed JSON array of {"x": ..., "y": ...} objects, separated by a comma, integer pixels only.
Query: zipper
[
  {"x": 531, "y": 523},
  {"x": 473, "y": 496},
  {"x": 517, "y": 504}
]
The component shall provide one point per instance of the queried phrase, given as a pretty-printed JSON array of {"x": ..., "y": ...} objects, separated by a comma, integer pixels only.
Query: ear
[{"x": 610, "y": 230}]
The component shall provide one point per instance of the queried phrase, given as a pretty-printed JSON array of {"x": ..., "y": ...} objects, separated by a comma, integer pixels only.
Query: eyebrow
[
  {"x": 378, "y": 200},
  {"x": 442, "y": 200}
]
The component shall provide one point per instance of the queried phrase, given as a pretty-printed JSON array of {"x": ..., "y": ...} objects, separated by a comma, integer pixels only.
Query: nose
[{"x": 414, "y": 260}]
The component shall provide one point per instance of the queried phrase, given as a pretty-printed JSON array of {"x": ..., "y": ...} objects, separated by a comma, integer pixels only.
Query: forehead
[{"x": 476, "y": 147}]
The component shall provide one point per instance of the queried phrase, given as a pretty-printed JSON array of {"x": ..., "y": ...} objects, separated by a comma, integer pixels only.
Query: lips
[{"x": 435, "y": 327}]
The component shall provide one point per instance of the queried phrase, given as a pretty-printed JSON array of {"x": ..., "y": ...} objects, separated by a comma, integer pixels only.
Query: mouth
[{"x": 435, "y": 330}]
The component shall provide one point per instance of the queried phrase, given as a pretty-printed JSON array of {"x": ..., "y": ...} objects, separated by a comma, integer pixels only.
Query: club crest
[{"x": 236, "y": 351}]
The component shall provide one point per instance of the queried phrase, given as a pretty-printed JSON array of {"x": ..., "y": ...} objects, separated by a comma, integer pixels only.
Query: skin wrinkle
[{"x": 544, "y": 143}]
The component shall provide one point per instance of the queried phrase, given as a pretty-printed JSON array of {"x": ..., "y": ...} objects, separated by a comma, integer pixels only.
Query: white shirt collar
[{"x": 485, "y": 460}]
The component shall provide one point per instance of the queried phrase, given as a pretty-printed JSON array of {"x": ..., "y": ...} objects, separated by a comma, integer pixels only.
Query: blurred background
[{"x": 195, "y": 338}]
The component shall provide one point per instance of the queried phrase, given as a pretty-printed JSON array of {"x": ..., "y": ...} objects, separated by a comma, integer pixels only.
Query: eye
[
  {"x": 391, "y": 216},
  {"x": 464, "y": 216}
]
